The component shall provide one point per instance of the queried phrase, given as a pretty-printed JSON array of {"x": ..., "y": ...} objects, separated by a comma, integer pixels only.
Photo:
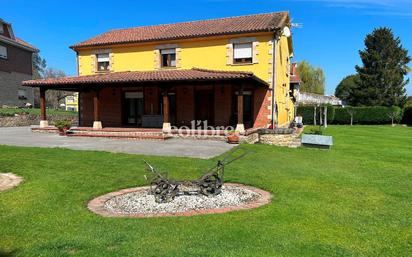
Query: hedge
[
  {"x": 307, "y": 114},
  {"x": 361, "y": 115},
  {"x": 407, "y": 116}
]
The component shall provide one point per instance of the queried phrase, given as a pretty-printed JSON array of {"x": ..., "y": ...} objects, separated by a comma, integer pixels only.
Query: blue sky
[{"x": 333, "y": 30}]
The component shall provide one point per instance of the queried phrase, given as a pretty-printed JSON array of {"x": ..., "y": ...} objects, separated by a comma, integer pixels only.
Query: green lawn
[
  {"x": 34, "y": 111},
  {"x": 355, "y": 200}
]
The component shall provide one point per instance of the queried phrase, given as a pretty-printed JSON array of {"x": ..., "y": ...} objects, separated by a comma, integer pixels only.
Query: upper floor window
[
  {"x": 1, "y": 28},
  {"x": 103, "y": 62},
  {"x": 3, "y": 52},
  {"x": 242, "y": 53},
  {"x": 168, "y": 57}
]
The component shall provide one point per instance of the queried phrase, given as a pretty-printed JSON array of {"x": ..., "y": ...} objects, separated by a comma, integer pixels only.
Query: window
[
  {"x": 1, "y": 28},
  {"x": 168, "y": 57},
  {"x": 103, "y": 62},
  {"x": 21, "y": 94},
  {"x": 3, "y": 52},
  {"x": 242, "y": 53}
]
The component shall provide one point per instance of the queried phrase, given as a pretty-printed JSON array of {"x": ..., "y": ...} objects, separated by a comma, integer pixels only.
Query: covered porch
[{"x": 164, "y": 101}]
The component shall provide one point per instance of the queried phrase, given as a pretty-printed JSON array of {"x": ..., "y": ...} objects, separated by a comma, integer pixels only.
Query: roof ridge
[
  {"x": 259, "y": 22},
  {"x": 193, "y": 21}
]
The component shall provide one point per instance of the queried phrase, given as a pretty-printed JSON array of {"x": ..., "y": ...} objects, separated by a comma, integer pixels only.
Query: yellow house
[
  {"x": 72, "y": 102},
  {"x": 228, "y": 72}
]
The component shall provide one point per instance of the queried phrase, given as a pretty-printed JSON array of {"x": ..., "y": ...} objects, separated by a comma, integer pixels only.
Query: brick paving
[{"x": 97, "y": 204}]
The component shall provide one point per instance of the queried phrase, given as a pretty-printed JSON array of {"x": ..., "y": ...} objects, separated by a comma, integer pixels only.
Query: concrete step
[{"x": 126, "y": 134}]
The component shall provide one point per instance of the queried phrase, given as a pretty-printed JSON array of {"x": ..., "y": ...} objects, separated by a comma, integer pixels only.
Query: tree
[
  {"x": 347, "y": 88},
  {"x": 54, "y": 97},
  {"x": 313, "y": 79},
  {"x": 408, "y": 101},
  {"x": 382, "y": 75},
  {"x": 39, "y": 66}
]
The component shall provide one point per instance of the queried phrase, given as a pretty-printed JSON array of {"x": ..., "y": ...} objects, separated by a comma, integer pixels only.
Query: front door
[
  {"x": 205, "y": 106},
  {"x": 133, "y": 108}
]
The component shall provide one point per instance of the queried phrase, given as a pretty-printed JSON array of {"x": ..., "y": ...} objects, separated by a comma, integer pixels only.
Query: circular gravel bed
[
  {"x": 138, "y": 202},
  {"x": 9, "y": 180}
]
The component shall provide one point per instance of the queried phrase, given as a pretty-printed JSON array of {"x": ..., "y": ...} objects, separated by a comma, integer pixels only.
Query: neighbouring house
[
  {"x": 312, "y": 99},
  {"x": 295, "y": 82},
  {"x": 71, "y": 102},
  {"x": 229, "y": 72},
  {"x": 15, "y": 67}
]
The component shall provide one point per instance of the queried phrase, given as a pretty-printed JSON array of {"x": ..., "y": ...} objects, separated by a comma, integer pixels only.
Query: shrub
[
  {"x": 407, "y": 116},
  {"x": 61, "y": 124}
]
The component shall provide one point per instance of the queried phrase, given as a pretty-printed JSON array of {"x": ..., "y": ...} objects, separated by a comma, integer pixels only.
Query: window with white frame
[
  {"x": 242, "y": 53},
  {"x": 3, "y": 52},
  {"x": 103, "y": 62},
  {"x": 168, "y": 57}
]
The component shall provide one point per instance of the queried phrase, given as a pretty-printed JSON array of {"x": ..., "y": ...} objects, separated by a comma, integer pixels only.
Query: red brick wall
[{"x": 260, "y": 107}]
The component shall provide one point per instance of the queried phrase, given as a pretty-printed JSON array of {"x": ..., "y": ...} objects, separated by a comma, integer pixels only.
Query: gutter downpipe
[{"x": 274, "y": 110}]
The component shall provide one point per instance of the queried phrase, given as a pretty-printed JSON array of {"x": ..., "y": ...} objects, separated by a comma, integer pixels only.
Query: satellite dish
[{"x": 287, "y": 32}]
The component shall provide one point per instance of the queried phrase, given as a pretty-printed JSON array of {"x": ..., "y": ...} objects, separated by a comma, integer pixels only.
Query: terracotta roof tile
[
  {"x": 145, "y": 76},
  {"x": 22, "y": 42},
  {"x": 193, "y": 29}
]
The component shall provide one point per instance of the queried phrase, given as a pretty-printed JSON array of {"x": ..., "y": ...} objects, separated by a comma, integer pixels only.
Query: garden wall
[{"x": 32, "y": 119}]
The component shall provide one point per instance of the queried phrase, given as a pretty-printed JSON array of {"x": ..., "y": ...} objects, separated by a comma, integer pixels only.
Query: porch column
[
  {"x": 97, "y": 124},
  {"x": 166, "y": 120},
  {"x": 43, "y": 118},
  {"x": 240, "y": 127}
]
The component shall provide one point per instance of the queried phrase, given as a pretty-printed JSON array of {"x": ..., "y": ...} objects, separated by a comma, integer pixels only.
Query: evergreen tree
[
  {"x": 39, "y": 66},
  {"x": 382, "y": 76},
  {"x": 346, "y": 88}
]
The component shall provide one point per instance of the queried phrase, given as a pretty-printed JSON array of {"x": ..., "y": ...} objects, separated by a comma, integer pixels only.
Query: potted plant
[
  {"x": 233, "y": 137},
  {"x": 62, "y": 126}
]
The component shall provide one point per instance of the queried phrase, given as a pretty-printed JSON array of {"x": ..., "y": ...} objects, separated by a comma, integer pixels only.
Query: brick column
[
  {"x": 166, "y": 113},
  {"x": 240, "y": 127},
  {"x": 97, "y": 124},
  {"x": 43, "y": 117}
]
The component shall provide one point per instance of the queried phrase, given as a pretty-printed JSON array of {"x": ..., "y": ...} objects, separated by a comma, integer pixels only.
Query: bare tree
[
  {"x": 393, "y": 114},
  {"x": 55, "y": 97}
]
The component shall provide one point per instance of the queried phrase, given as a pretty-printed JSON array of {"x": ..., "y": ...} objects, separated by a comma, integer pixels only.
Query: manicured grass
[
  {"x": 355, "y": 200},
  {"x": 34, "y": 111}
]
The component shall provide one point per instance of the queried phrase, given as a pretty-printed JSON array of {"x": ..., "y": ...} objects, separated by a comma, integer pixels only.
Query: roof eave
[{"x": 79, "y": 47}]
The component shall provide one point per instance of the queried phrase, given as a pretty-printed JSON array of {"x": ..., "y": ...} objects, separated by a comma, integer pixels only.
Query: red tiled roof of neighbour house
[
  {"x": 194, "y": 74},
  {"x": 294, "y": 75},
  {"x": 18, "y": 43},
  {"x": 194, "y": 29},
  {"x": 22, "y": 42}
]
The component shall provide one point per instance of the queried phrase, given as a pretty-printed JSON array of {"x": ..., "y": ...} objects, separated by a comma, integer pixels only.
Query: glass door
[{"x": 134, "y": 106}]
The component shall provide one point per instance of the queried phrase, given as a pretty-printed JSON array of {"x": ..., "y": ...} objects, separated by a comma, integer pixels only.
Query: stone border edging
[
  {"x": 11, "y": 180},
  {"x": 97, "y": 204}
]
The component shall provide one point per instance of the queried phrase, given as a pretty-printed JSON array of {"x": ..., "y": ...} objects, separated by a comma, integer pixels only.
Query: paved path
[{"x": 22, "y": 136}]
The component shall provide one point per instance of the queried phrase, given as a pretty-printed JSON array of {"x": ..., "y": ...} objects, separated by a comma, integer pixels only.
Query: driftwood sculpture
[{"x": 210, "y": 184}]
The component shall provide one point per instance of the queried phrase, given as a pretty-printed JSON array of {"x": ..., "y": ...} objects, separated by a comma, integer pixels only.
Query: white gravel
[{"x": 142, "y": 202}]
